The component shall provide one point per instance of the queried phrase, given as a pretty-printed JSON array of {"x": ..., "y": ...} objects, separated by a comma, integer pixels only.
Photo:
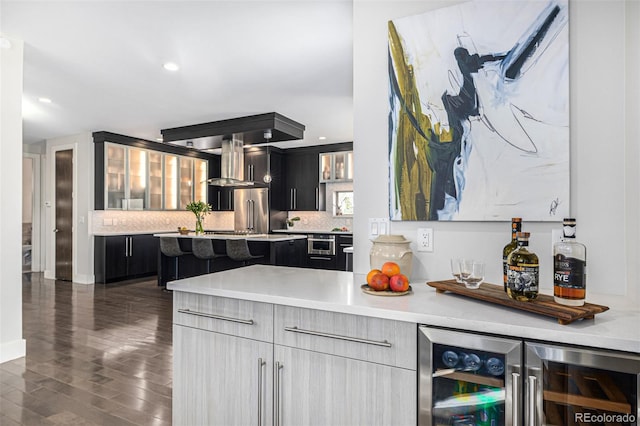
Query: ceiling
[{"x": 101, "y": 64}]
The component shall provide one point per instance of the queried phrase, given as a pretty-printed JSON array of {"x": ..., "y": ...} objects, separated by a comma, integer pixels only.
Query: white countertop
[
  {"x": 113, "y": 233},
  {"x": 258, "y": 237},
  {"x": 340, "y": 292}
]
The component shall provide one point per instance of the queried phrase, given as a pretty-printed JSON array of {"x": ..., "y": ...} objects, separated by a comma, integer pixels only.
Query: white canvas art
[{"x": 479, "y": 112}]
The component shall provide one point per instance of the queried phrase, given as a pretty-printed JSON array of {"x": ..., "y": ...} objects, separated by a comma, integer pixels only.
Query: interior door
[{"x": 64, "y": 215}]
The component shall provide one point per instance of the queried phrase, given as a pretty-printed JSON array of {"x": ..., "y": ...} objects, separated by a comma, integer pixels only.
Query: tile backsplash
[
  {"x": 116, "y": 221},
  {"x": 121, "y": 221}
]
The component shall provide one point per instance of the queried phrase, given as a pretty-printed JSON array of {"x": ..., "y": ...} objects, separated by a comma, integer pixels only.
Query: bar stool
[
  {"x": 203, "y": 249},
  {"x": 170, "y": 247},
  {"x": 238, "y": 250}
]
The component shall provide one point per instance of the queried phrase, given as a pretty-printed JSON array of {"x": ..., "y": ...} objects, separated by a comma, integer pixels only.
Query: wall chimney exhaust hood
[{"x": 231, "y": 135}]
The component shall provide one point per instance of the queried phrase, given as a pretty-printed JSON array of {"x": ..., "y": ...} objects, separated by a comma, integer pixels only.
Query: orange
[
  {"x": 371, "y": 274},
  {"x": 390, "y": 269}
]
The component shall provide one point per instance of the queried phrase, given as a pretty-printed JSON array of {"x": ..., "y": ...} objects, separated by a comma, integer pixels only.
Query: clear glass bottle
[
  {"x": 524, "y": 271},
  {"x": 569, "y": 267},
  {"x": 516, "y": 226}
]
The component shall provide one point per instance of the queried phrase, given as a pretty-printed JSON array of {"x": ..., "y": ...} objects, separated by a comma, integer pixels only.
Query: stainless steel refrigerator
[{"x": 251, "y": 207}]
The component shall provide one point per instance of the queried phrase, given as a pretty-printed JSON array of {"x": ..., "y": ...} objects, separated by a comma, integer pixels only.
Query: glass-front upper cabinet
[
  {"x": 186, "y": 181},
  {"x": 336, "y": 166},
  {"x": 138, "y": 186},
  {"x": 155, "y": 180},
  {"x": 200, "y": 184},
  {"x": 115, "y": 176},
  {"x": 170, "y": 182}
]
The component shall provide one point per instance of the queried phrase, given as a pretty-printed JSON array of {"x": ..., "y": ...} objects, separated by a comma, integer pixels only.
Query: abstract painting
[{"x": 479, "y": 112}]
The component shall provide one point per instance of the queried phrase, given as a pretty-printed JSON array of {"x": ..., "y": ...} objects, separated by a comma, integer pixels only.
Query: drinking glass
[
  {"x": 455, "y": 269},
  {"x": 473, "y": 274},
  {"x": 466, "y": 266}
]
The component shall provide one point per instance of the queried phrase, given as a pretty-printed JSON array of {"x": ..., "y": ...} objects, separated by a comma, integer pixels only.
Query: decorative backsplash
[
  {"x": 114, "y": 221},
  {"x": 120, "y": 221}
]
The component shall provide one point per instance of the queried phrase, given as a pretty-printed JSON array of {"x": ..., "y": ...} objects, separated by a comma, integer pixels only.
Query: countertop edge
[{"x": 542, "y": 328}]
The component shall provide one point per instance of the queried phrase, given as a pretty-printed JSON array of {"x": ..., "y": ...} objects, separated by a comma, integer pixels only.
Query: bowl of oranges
[{"x": 387, "y": 281}]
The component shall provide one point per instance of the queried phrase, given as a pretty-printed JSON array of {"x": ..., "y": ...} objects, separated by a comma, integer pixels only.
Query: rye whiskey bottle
[
  {"x": 516, "y": 226},
  {"x": 569, "y": 267},
  {"x": 524, "y": 271}
]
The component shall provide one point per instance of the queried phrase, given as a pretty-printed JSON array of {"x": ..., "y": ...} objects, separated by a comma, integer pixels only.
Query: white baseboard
[
  {"x": 13, "y": 350},
  {"x": 84, "y": 279},
  {"x": 49, "y": 275}
]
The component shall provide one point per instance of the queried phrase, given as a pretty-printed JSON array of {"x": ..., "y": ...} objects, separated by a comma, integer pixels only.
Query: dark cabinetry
[
  {"x": 289, "y": 253},
  {"x": 303, "y": 191},
  {"x": 120, "y": 257},
  {"x": 342, "y": 242},
  {"x": 260, "y": 162}
]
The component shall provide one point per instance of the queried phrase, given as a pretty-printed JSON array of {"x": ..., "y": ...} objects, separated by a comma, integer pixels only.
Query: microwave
[{"x": 321, "y": 244}]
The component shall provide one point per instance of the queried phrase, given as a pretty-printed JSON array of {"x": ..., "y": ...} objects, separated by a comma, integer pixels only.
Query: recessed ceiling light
[
  {"x": 45, "y": 100},
  {"x": 322, "y": 138},
  {"x": 171, "y": 66}
]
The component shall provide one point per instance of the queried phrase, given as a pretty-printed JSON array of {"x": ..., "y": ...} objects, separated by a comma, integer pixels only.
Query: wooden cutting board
[{"x": 543, "y": 304}]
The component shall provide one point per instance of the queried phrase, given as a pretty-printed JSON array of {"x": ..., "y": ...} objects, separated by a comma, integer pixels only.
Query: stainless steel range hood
[{"x": 230, "y": 135}]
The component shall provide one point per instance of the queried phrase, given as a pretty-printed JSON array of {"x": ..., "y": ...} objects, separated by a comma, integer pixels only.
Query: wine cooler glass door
[
  {"x": 468, "y": 379},
  {"x": 568, "y": 386}
]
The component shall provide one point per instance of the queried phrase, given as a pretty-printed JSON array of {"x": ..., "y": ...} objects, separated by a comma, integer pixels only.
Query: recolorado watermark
[{"x": 604, "y": 418}]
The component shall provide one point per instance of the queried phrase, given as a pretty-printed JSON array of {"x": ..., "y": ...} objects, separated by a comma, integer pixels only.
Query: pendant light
[{"x": 267, "y": 177}]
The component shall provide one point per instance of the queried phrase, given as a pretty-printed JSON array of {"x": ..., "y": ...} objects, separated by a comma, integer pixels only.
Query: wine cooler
[{"x": 470, "y": 379}]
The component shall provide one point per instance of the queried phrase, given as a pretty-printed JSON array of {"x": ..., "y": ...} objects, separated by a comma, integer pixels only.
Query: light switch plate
[{"x": 378, "y": 226}]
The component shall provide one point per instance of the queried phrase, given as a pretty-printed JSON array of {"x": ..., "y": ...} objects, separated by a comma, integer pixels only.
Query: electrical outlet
[{"x": 425, "y": 239}]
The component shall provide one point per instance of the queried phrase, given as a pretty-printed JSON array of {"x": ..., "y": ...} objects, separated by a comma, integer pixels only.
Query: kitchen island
[
  {"x": 327, "y": 351},
  {"x": 280, "y": 249}
]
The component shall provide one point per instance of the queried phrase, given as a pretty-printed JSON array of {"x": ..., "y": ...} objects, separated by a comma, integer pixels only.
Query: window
[{"x": 343, "y": 203}]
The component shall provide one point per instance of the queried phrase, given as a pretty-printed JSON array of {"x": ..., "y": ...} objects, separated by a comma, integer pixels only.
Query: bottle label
[
  {"x": 569, "y": 272},
  {"x": 523, "y": 278}
]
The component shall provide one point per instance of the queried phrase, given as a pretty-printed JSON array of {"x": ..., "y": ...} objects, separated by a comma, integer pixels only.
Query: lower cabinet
[
  {"x": 289, "y": 253},
  {"x": 221, "y": 379},
  {"x": 241, "y": 362},
  {"x": 121, "y": 257}
]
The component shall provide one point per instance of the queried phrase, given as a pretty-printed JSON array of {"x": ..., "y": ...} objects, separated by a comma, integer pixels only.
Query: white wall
[
  {"x": 12, "y": 345},
  {"x": 83, "y": 191},
  {"x": 604, "y": 127}
]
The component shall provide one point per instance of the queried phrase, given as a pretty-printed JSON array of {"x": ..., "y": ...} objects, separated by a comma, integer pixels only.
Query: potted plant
[
  {"x": 199, "y": 208},
  {"x": 291, "y": 221}
]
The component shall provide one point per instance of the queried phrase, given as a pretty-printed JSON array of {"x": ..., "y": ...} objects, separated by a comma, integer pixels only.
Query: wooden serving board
[{"x": 543, "y": 304}]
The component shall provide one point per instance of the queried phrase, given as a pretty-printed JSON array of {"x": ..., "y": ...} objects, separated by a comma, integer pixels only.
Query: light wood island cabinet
[{"x": 239, "y": 362}]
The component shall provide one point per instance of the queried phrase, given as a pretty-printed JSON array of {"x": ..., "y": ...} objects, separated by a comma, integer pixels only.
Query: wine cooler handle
[
  {"x": 261, "y": 364},
  {"x": 515, "y": 398},
  {"x": 532, "y": 399}
]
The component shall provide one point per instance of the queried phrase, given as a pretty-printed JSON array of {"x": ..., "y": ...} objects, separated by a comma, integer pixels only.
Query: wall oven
[
  {"x": 321, "y": 251},
  {"x": 473, "y": 379}
]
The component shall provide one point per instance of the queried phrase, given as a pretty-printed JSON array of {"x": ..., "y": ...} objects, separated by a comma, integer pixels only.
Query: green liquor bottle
[
  {"x": 524, "y": 271},
  {"x": 516, "y": 226}
]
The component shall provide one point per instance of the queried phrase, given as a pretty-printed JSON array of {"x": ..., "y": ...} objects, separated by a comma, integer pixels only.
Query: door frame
[
  {"x": 37, "y": 255},
  {"x": 50, "y": 271}
]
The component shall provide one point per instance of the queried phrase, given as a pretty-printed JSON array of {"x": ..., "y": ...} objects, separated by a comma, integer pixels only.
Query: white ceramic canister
[{"x": 392, "y": 248}]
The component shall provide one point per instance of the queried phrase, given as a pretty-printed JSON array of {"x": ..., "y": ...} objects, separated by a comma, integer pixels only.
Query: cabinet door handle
[
  {"x": 219, "y": 203},
  {"x": 317, "y": 198},
  {"x": 515, "y": 398},
  {"x": 320, "y": 258},
  {"x": 126, "y": 246},
  {"x": 261, "y": 364},
  {"x": 531, "y": 398},
  {"x": 218, "y": 317},
  {"x": 130, "y": 246},
  {"x": 337, "y": 336},
  {"x": 276, "y": 394}
]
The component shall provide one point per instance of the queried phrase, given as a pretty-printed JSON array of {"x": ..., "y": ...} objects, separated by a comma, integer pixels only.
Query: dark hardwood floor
[{"x": 96, "y": 355}]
